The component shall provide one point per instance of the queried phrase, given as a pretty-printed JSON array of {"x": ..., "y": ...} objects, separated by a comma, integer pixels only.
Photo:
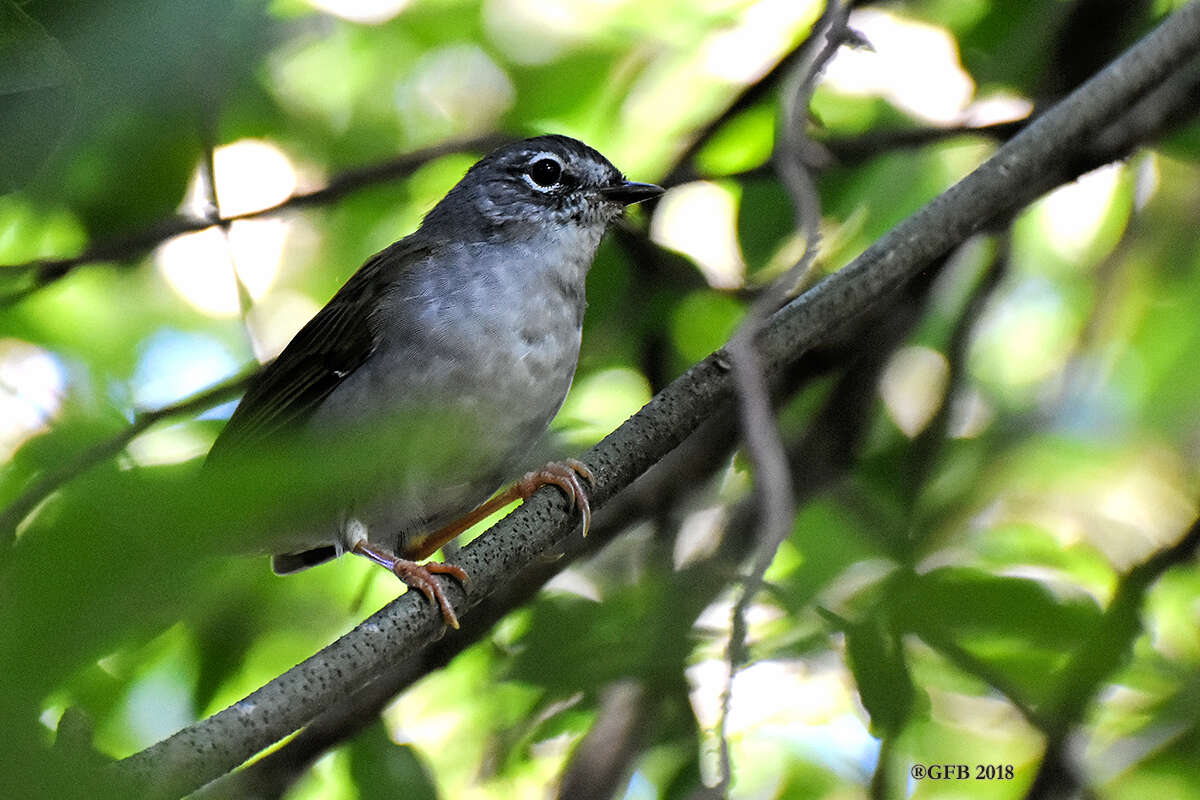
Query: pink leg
[{"x": 563, "y": 474}]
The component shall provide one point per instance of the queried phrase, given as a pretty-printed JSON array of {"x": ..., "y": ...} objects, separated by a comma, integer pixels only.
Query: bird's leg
[
  {"x": 564, "y": 474},
  {"x": 417, "y": 576}
]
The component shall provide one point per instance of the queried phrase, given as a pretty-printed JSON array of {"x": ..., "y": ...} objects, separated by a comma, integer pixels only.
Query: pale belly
[{"x": 458, "y": 422}]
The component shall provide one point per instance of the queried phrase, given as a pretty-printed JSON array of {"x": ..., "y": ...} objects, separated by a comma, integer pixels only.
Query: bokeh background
[{"x": 984, "y": 461}]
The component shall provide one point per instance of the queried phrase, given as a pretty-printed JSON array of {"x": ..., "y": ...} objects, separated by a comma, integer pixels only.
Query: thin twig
[
  {"x": 971, "y": 664},
  {"x": 850, "y": 150},
  {"x": 43, "y": 272},
  {"x": 760, "y": 433}
]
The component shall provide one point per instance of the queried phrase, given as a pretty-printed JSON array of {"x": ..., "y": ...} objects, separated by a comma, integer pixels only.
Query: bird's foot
[
  {"x": 418, "y": 576},
  {"x": 565, "y": 475}
]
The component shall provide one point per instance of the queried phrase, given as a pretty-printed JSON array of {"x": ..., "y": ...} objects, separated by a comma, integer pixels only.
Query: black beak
[{"x": 630, "y": 192}]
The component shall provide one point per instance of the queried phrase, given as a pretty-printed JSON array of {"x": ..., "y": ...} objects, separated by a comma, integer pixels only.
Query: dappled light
[
  {"x": 699, "y": 220},
  {"x": 32, "y": 383},
  {"x": 915, "y": 66}
]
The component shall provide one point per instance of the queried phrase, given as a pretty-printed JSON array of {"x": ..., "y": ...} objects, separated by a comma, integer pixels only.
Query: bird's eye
[{"x": 545, "y": 172}]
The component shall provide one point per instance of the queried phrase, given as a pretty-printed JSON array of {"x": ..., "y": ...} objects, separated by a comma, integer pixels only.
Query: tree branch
[
  {"x": 603, "y": 761},
  {"x": 43, "y": 272},
  {"x": 213, "y": 746}
]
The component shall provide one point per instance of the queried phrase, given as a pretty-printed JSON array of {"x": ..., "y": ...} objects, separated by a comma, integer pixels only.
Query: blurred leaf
[
  {"x": 963, "y": 601},
  {"x": 146, "y": 68},
  {"x": 804, "y": 780},
  {"x": 1015, "y": 624},
  {"x": 566, "y": 90},
  {"x": 685, "y": 781},
  {"x": 703, "y": 322},
  {"x": 1013, "y": 545},
  {"x": 828, "y": 540},
  {"x": 36, "y": 95},
  {"x": 632, "y": 634},
  {"x": 876, "y": 657},
  {"x": 222, "y": 642},
  {"x": 742, "y": 143},
  {"x": 383, "y": 769},
  {"x": 765, "y": 220},
  {"x": 1010, "y": 43}
]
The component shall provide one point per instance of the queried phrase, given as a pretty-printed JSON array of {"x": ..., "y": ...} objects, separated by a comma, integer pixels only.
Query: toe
[
  {"x": 582, "y": 469},
  {"x": 420, "y": 577}
]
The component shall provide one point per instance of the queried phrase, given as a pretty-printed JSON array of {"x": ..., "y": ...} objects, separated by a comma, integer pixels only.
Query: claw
[
  {"x": 418, "y": 576},
  {"x": 565, "y": 475}
]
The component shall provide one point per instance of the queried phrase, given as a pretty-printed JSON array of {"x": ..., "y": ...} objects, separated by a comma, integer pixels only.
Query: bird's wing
[{"x": 324, "y": 353}]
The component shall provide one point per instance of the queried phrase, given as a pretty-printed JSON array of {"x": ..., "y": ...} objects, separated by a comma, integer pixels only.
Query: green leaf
[
  {"x": 384, "y": 770},
  {"x": 36, "y": 95},
  {"x": 876, "y": 657},
  {"x": 638, "y": 632},
  {"x": 963, "y": 601},
  {"x": 742, "y": 143},
  {"x": 765, "y": 219},
  {"x": 704, "y": 321},
  {"x": 1014, "y": 624}
]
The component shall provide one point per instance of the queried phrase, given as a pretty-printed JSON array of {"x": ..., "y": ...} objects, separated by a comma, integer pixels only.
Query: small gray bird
[{"x": 463, "y": 336}]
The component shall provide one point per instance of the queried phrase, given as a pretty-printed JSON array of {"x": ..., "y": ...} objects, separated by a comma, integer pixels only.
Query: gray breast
[{"x": 477, "y": 349}]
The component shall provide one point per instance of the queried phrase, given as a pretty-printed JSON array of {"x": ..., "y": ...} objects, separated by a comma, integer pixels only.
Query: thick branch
[{"x": 213, "y": 746}]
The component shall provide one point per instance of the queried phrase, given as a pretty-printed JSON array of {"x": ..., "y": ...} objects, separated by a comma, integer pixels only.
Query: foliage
[{"x": 955, "y": 587}]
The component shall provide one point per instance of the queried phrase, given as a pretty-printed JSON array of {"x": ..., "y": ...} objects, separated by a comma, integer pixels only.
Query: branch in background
[
  {"x": 926, "y": 447},
  {"x": 1099, "y": 658},
  {"x": 604, "y": 759},
  {"x": 43, "y": 272},
  {"x": 746, "y": 99},
  {"x": 49, "y": 482},
  {"x": 216, "y": 745},
  {"x": 850, "y": 150}
]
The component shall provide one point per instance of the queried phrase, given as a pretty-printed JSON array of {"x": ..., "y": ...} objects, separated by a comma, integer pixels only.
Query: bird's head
[{"x": 544, "y": 181}]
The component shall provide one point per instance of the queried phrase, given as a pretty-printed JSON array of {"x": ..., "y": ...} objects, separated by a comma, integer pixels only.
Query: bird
[{"x": 464, "y": 336}]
